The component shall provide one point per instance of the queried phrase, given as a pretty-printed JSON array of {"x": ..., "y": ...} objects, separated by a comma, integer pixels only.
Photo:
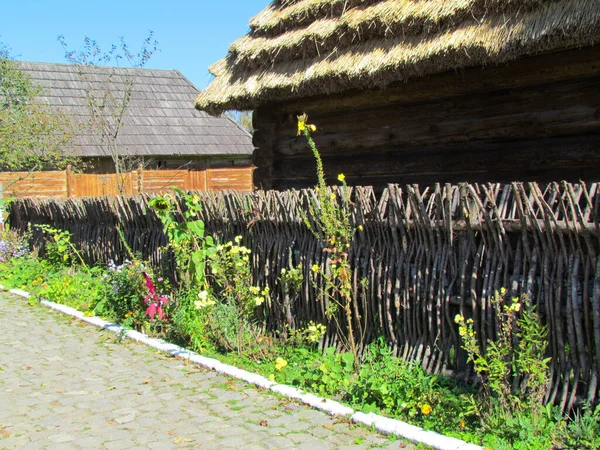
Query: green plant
[
  {"x": 190, "y": 321},
  {"x": 583, "y": 430},
  {"x": 186, "y": 233},
  {"x": 513, "y": 373},
  {"x": 60, "y": 251},
  {"x": 402, "y": 389},
  {"x": 236, "y": 324},
  {"x": 329, "y": 220},
  {"x": 290, "y": 281},
  {"x": 24, "y": 272},
  {"x": 308, "y": 336},
  {"x": 126, "y": 300},
  {"x": 80, "y": 290}
]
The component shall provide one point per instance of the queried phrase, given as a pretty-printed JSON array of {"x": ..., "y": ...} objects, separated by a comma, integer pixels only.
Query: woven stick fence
[{"x": 426, "y": 255}]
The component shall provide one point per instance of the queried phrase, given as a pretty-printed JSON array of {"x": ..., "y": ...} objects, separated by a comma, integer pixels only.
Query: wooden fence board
[{"x": 68, "y": 184}]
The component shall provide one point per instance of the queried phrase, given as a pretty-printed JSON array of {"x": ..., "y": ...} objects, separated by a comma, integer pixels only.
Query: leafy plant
[
  {"x": 60, "y": 251},
  {"x": 290, "y": 281},
  {"x": 190, "y": 321},
  {"x": 329, "y": 220},
  {"x": 80, "y": 290},
  {"x": 187, "y": 239},
  {"x": 129, "y": 299},
  {"x": 583, "y": 430},
  {"x": 23, "y": 272},
  {"x": 236, "y": 324},
  {"x": 513, "y": 373}
]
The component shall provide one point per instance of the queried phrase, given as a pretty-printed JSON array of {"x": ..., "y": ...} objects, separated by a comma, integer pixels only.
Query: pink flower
[{"x": 154, "y": 301}]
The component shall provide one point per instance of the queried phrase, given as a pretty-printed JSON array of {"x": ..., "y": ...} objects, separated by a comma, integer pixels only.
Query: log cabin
[{"x": 406, "y": 91}]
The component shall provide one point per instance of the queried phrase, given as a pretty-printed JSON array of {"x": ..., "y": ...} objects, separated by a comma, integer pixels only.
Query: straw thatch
[{"x": 313, "y": 47}]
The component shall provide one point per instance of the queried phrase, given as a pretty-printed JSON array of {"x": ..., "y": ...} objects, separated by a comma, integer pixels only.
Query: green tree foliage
[{"x": 32, "y": 137}]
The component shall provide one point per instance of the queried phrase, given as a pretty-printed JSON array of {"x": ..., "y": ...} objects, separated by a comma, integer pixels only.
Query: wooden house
[
  {"x": 407, "y": 91},
  {"x": 162, "y": 139}
]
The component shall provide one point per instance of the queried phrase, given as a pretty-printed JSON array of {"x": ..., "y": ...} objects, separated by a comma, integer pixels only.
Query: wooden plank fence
[
  {"x": 427, "y": 254},
  {"x": 68, "y": 184}
]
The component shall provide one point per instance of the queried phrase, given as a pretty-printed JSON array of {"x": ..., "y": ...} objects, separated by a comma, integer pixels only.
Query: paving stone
[{"x": 68, "y": 385}]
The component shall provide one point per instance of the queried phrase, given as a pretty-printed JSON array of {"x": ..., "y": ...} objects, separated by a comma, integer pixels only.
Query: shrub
[{"x": 80, "y": 290}]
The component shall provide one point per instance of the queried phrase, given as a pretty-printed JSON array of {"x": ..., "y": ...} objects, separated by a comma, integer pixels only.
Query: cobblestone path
[{"x": 65, "y": 385}]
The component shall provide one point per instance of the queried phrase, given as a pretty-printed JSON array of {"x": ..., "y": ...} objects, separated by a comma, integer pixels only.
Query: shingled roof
[
  {"x": 298, "y": 48},
  {"x": 160, "y": 119}
]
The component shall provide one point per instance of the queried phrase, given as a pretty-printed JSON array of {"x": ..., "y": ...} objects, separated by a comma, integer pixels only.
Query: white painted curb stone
[{"x": 382, "y": 424}]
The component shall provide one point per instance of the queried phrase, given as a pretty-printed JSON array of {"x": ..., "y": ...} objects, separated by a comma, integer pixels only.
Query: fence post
[
  {"x": 140, "y": 178},
  {"x": 69, "y": 181}
]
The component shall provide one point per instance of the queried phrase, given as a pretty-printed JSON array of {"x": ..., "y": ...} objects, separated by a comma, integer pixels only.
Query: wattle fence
[{"x": 425, "y": 255}]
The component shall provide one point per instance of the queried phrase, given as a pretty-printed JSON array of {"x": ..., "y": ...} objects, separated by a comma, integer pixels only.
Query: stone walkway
[{"x": 66, "y": 385}]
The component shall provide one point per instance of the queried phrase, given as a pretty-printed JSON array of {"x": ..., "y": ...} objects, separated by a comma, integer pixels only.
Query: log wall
[
  {"x": 536, "y": 119},
  {"x": 427, "y": 254}
]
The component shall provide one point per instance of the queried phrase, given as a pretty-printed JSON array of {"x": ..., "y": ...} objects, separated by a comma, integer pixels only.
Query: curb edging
[{"x": 382, "y": 424}]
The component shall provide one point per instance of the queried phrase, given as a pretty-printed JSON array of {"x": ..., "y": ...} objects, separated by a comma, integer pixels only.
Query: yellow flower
[
  {"x": 458, "y": 318},
  {"x": 315, "y": 268},
  {"x": 426, "y": 409},
  {"x": 332, "y": 196},
  {"x": 312, "y": 128},
  {"x": 462, "y": 331},
  {"x": 272, "y": 377},
  {"x": 280, "y": 363},
  {"x": 502, "y": 291},
  {"x": 360, "y": 228},
  {"x": 341, "y": 177},
  {"x": 259, "y": 300},
  {"x": 461, "y": 424}
]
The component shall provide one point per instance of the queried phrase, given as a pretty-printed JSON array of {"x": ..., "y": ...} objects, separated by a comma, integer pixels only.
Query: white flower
[{"x": 205, "y": 301}]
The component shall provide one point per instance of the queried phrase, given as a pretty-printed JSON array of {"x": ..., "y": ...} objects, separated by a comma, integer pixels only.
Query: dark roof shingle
[{"x": 160, "y": 118}]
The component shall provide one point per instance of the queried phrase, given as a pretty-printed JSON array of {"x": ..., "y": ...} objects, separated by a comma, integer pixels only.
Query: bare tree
[
  {"x": 242, "y": 118},
  {"x": 108, "y": 92}
]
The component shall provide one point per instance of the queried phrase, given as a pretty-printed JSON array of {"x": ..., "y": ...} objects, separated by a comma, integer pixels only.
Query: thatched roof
[
  {"x": 298, "y": 48},
  {"x": 160, "y": 118}
]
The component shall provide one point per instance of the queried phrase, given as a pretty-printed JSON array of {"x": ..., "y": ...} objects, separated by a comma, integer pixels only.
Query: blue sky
[{"x": 192, "y": 35}]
